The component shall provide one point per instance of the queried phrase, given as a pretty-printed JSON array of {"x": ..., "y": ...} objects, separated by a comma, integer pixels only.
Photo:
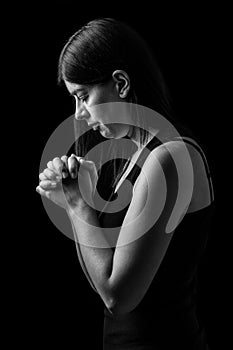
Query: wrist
[
  {"x": 79, "y": 206},
  {"x": 84, "y": 212}
]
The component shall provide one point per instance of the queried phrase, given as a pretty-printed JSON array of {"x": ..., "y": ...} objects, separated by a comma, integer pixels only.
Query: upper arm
[{"x": 144, "y": 236}]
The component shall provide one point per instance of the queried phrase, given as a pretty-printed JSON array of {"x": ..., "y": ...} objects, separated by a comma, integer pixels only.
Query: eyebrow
[{"x": 75, "y": 91}]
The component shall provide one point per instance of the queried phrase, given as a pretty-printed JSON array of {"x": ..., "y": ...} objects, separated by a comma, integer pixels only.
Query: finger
[
  {"x": 65, "y": 160},
  {"x": 65, "y": 166},
  {"x": 50, "y": 166},
  {"x": 49, "y": 174},
  {"x": 42, "y": 177},
  {"x": 73, "y": 166},
  {"x": 87, "y": 163},
  {"x": 47, "y": 184},
  {"x": 58, "y": 165},
  {"x": 90, "y": 166},
  {"x": 42, "y": 192},
  {"x": 79, "y": 159}
]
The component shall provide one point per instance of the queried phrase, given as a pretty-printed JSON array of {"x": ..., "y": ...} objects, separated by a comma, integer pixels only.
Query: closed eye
[
  {"x": 80, "y": 98},
  {"x": 83, "y": 98}
]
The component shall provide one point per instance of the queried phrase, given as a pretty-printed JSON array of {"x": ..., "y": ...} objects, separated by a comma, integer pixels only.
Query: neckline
[{"x": 123, "y": 177}]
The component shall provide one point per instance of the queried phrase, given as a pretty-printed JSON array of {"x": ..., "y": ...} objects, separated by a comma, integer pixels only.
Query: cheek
[
  {"x": 103, "y": 95},
  {"x": 107, "y": 94}
]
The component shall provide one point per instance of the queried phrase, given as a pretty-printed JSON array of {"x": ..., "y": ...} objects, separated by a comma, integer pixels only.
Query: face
[{"x": 87, "y": 96}]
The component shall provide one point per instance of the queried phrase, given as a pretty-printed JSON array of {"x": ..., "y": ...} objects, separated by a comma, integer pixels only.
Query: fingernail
[{"x": 53, "y": 184}]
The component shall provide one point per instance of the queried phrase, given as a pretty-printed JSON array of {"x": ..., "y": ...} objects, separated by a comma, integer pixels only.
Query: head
[
  {"x": 107, "y": 61},
  {"x": 115, "y": 89}
]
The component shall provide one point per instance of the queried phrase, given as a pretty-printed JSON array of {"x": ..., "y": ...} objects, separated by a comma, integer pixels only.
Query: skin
[
  {"x": 86, "y": 96},
  {"x": 120, "y": 277}
]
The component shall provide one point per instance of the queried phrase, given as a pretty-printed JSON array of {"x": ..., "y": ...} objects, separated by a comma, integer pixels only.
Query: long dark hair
[{"x": 97, "y": 49}]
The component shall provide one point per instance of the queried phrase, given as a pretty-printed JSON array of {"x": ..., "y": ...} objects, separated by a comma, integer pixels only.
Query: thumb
[{"x": 90, "y": 166}]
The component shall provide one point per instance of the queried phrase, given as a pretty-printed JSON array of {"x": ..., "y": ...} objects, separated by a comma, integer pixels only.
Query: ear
[{"x": 122, "y": 82}]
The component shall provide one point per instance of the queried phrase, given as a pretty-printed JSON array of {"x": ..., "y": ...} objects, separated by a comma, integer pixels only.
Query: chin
[{"x": 115, "y": 131}]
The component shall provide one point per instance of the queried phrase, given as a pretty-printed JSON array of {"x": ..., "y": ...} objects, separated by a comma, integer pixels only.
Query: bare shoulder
[
  {"x": 189, "y": 159},
  {"x": 169, "y": 158}
]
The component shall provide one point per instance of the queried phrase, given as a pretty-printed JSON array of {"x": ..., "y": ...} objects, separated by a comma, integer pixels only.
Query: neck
[{"x": 134, "y": 135}]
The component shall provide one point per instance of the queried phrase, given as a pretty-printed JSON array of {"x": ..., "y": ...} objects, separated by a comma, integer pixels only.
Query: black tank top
[{"x": 166, "y": 317}]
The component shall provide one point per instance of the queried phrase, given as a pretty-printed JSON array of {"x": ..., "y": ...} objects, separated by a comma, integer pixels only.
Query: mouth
[
  {"x": 98, "y": 126},
  {"x": 94, "y": 126},
  {"x": 102, "y": 128}
]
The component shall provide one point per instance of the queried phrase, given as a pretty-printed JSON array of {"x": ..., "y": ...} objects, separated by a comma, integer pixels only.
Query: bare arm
[
  {"x": 80, "y": 258},
  {"x": 96, "y": 254},
  {"x": 123, "y": 277},
  {"x": 95, "y": 260}
]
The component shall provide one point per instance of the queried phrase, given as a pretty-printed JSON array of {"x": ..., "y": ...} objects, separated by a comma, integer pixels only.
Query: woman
[{"x": 146, "y": 275}]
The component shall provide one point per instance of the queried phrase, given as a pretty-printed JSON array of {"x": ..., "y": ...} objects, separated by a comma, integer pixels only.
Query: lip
[{"x": 94, "y": 125}]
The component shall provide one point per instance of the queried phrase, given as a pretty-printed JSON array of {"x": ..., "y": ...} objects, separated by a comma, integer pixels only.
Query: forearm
[
  {"x": 95, "y": 251},
  {"x": 80, "y": 258}
]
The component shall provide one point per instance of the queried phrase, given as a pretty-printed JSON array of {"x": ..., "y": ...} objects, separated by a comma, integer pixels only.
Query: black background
[{"x": 57, "y": 305}]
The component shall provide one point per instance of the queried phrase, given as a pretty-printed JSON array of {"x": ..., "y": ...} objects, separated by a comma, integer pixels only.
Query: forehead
[{"x": 73, "y": 88}]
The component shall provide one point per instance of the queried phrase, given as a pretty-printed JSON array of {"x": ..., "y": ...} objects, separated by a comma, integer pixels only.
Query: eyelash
[{"x": 83, "y": 98}]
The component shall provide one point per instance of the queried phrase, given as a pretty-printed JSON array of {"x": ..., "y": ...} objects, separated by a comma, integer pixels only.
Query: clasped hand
[{"x": 68, "y": 180}]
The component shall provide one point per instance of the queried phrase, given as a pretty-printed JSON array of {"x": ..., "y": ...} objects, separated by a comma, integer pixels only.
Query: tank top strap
[{"x": 150, "y": 146}]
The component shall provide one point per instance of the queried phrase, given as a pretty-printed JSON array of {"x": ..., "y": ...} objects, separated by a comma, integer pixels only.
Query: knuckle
[
  {"x": 56, "y": 160},
  {"x": 49, "y": 164},
  {"x": 48, "y": 172},
  {"x": 43, "y": 183},
  {"x": 57, "y": 163},
  {"x": 64, "y": 158},
  {"x": 41, "y": 176}
]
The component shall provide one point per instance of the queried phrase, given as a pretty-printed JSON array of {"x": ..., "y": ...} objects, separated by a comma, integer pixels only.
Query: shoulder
[
  {"x": 185, "y": 161},
  {"x": 169, "y": 159},
  {"x": 163, "y": 189},
  {"x": 167, "y": 153}
]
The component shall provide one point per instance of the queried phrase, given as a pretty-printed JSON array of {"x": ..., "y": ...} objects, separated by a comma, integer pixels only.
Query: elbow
[
  {"x": 120, "y": 302},
  {"x": 117, "y": 308},
  {"x": 112, "y": 305}
]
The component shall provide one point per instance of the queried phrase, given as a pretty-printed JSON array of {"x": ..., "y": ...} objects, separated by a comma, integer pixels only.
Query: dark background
[{"x": 55, "y": 299}]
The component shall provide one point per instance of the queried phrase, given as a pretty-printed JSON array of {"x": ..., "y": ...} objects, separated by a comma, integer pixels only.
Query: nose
[{"x": 80, "y": 110}]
